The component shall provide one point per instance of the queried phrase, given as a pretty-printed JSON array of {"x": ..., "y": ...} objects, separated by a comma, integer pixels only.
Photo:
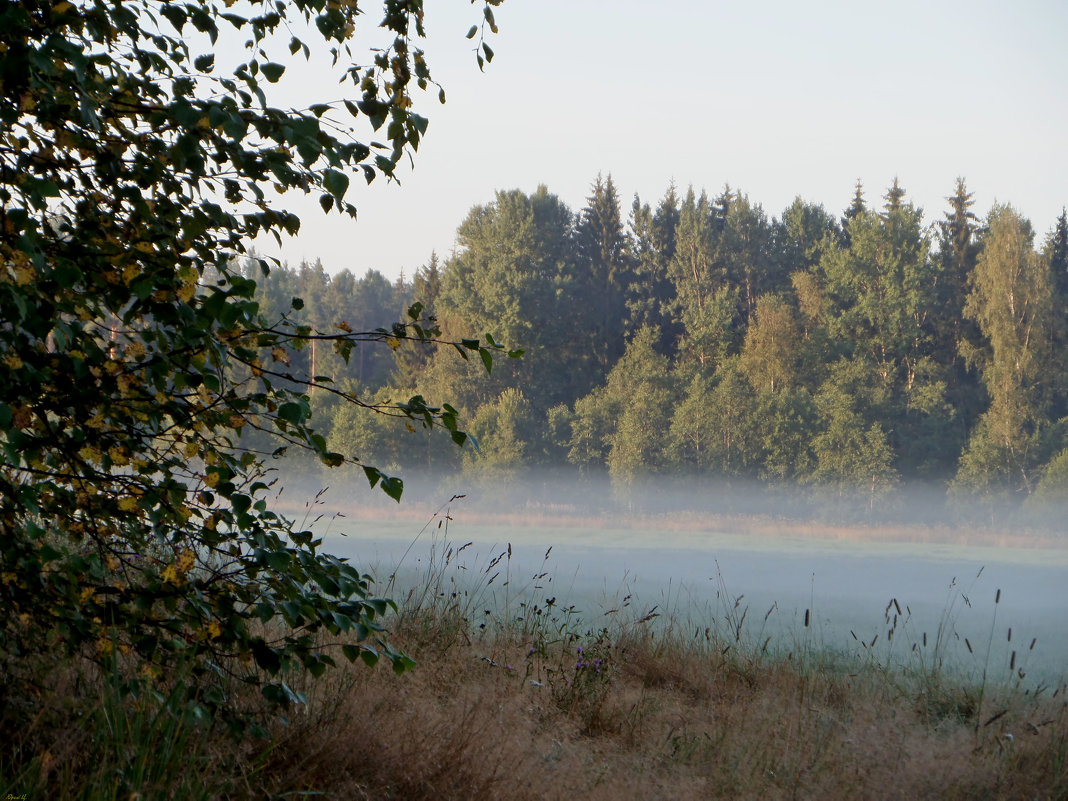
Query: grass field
[{"x": 519, "y": 694}]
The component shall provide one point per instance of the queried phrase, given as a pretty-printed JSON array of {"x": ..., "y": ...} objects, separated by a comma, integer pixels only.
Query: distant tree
[
  {"x": 800, "y": 236},
  {"x": 713, "y": 429},
  {"x": 640, "y": 388},
  {"x": 770, "y": 355},
  {"x": 505, "y": 430},
  {"x": 958, "y": 249},
  {"x": 513, "y": 276},
  {"x": 603, "y": 275},
  {"x": 592, "y": 424},
  {"x": 1058, "y": 253},
  {"x": 705, "y": 301},
  {"x": 894, "y": 198},
  {"x": 410, "y": 361},
  {"x": 650, "y": 299},
  {"x": 856, "y": 208},
  {"x": 785, "y": 423},
  {"x": 854, "y": 460},
  {"x": 881, "y": 290},
  {"x": 1010, "y": 300},
  {"x": 746, "y": 250}
]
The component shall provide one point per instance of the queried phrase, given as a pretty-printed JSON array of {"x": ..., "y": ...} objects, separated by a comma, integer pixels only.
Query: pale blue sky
[{"x": 775, "y": 98}]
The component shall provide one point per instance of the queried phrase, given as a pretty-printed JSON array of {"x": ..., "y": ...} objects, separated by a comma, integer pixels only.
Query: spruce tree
[
  {"x": 894, "y": 197},
  {"x": 602, "y": 251},
  {"x": 857, "y": 207},
  {"x": 954, "y": 334},
  {"x": 651, "y": 294},
  {"x": 1058, "y": 254}
]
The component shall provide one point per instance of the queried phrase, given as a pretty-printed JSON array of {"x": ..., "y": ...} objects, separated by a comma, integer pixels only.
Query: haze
[{"x": 711, "y": 561}]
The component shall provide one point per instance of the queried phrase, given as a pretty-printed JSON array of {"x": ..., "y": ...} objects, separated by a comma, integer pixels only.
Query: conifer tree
[
  {"x": 602, "y": 253},
  {"x": 894, "y": 197},
  {"x": 411, "y": 362},
  {"x": 954, "y": 333},
  {"x": 651, "y": 295},
  {"x": 856, "y": 208},
  {"x": 1058, "y": 254}
]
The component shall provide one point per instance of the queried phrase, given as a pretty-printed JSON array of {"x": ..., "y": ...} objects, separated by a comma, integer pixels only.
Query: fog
[{"x": 902, "y": 582}]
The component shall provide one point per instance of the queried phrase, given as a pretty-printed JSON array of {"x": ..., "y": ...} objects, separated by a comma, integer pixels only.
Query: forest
[{"x": 846, "y": 358}]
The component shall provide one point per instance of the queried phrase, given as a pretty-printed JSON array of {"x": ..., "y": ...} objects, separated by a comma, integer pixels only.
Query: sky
[{"x": 777, "y": 98}]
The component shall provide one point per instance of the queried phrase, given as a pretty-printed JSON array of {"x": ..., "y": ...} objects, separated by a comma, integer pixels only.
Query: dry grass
[
  {"x": 523, "y": 713},
  {"x": 508, "y": 717}
]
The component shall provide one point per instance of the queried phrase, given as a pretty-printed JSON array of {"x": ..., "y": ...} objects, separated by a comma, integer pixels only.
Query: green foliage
[
  {"x": 504, "y": 430},
  {"x": 603, "y": 267},
  {"x": 712, "y": 430},
  {"x": 136, "y": 351},
  {"x": 512, "y": 276},
  {"x": 853, "y": 457},
  {"x": 641, "y": 388},
  {"x": 1010, "y": 300},
  {"x": 775, "y": 350}
]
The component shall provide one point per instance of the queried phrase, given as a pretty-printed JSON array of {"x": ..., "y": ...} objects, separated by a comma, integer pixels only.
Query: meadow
[{"x": 636, "y": 657}]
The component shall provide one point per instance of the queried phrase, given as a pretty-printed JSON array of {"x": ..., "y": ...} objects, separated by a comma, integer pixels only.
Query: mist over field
[{"x": 910, "y": 588}]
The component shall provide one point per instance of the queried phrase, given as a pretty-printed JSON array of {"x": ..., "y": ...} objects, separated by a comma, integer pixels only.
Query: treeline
[{"x": 853, "y": 355}]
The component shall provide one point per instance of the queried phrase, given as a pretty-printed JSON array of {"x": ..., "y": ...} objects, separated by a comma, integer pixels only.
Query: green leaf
[
  {"x": 278, "y": 561},
  {"x": 292, "y": 412},
  {"x": 471, "y": 33},
  {"x": 272, "y": 71},
  {"x": 393, "y": 487},
  {"x": 336, "y": 183},
  {"x": 204, "y": 63},
  {"x": 369, "y": 655}
]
